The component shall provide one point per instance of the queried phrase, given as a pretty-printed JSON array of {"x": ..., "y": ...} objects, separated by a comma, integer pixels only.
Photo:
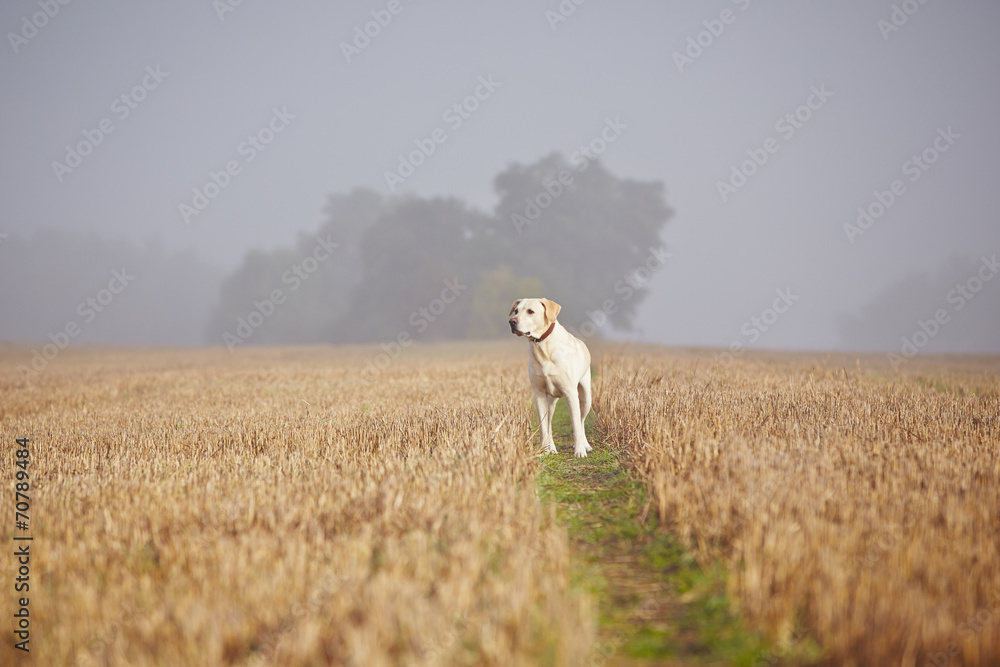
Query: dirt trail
[{"x": 656, "y": 605}]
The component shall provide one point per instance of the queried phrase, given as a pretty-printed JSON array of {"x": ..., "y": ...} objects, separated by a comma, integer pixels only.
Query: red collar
[{"x": 544, "y": 335}]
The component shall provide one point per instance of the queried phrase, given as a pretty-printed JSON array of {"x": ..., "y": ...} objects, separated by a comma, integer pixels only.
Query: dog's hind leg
[
  {"x": 574, "y": 401},
  {"x": 584, "y": 390}
]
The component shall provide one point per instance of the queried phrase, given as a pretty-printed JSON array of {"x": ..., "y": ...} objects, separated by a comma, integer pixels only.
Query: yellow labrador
[{"x": 559, "y": 365}]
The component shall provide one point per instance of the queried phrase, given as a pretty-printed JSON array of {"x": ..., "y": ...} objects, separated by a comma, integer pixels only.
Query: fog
[{"x": 786, "y": 175}]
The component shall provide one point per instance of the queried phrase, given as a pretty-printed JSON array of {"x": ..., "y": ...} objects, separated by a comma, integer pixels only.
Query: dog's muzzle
[{"x": 513, "y": 328}]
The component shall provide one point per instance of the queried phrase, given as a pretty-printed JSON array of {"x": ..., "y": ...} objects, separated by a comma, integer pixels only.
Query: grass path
[{"x": 656, "y": 605}]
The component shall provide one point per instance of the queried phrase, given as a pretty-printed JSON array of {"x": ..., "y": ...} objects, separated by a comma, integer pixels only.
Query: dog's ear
[
  {"x": 513, "y": 306},
  {"x": 551, "y": 309}
]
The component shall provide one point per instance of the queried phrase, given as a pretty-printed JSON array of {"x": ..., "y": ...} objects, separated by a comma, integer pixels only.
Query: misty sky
[{"x": 878, "y": 99}]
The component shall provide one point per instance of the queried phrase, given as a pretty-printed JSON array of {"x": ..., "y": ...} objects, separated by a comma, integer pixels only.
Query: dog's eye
[{"x": 531, "y": 312}]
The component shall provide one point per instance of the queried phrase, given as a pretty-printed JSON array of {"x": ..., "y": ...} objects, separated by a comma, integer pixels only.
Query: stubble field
[
  {"x": 851, "y": 505},
  {"x": 279, "y": 506}
]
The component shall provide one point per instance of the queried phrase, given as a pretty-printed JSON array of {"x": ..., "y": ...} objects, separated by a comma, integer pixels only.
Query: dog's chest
[{"x": 547, "y": 377}]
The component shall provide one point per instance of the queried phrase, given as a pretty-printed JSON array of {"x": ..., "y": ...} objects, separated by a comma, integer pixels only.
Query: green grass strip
[{"x": 656, "y": 605}]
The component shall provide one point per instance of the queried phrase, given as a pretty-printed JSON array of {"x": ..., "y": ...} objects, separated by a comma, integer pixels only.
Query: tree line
[{"x": 434, "y": 269}]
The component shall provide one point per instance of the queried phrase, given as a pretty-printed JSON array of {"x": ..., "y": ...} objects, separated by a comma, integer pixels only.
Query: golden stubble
[
  {"x": 851, "y": 503},
  {"x": 278, "y": 506}
]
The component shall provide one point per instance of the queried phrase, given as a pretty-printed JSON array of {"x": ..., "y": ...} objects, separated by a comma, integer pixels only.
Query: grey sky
[{"x": 782, "y": 229}]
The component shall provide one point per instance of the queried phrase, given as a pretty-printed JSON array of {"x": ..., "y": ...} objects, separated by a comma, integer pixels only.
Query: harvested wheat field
[
  {"x": 850, "y": 504},
  {"x": 280, "y": 506}
]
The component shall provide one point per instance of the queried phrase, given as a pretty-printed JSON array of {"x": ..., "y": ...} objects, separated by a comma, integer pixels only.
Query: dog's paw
[
  {"x": 551, "y": 449},
  {"x": 580, "y": 453},
  {"x": 589, "y": 448}
]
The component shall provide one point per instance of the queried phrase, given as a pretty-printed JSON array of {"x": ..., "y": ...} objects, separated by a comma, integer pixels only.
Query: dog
[{"x": 558, "y": 366}]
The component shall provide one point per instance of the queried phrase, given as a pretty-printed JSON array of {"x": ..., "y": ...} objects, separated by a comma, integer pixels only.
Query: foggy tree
[
  {"x": 497, "y": 290},
  {"x": 421, "y": 250},
  {"x": 313, "y": 302},
  {"x": 595, "y": 232},
  {"x": 433, "y": 269}
]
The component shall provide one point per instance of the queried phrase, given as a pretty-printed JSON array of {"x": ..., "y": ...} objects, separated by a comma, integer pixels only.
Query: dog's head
[{"x": 532, "y": 317}]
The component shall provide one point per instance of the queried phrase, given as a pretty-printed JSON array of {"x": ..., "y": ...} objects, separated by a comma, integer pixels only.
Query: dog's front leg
[{"x": 546, "y": 406}]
